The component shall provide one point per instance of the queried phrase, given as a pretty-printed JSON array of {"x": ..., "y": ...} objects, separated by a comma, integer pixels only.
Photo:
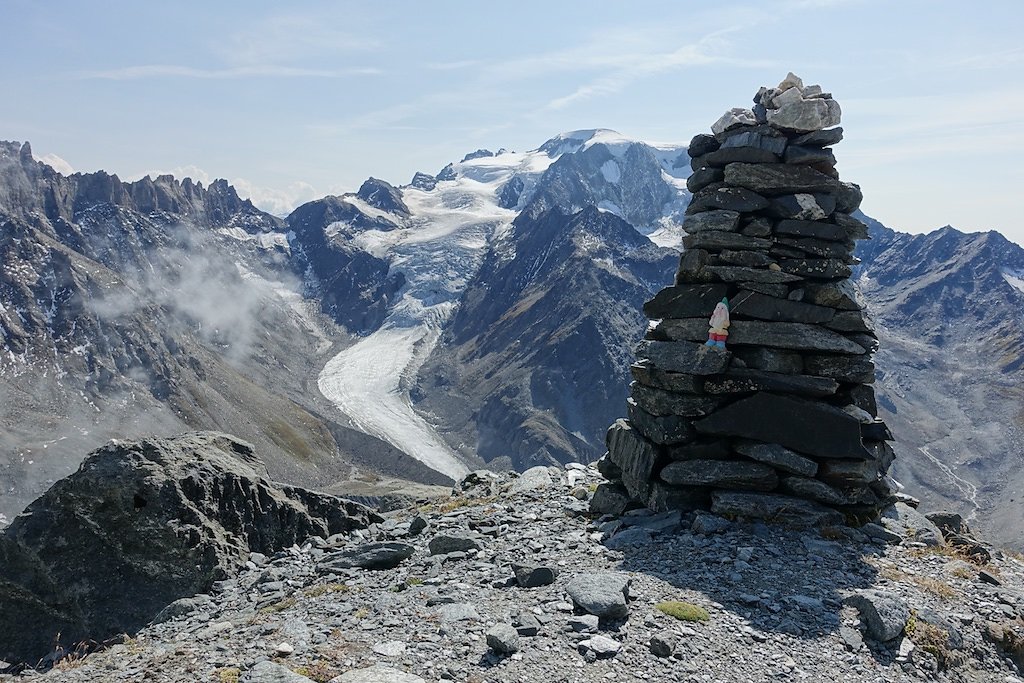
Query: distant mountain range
[{"x": 485, "y": 314}]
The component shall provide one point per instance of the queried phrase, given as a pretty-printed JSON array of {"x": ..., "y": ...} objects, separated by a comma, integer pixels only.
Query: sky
[{"x": 294, "y": 101}]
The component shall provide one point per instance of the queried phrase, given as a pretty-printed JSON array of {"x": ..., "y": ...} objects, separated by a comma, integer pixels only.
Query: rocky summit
[
  {"x": 774, "y": 416},
  {"x": 139, "y": 525},
  {"x": 511, "y": 579}
]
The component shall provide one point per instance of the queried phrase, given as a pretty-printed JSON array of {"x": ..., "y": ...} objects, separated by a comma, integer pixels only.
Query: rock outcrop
[
  {"x": 780, "y": 421},
  {"x": 140, "y": 525}
]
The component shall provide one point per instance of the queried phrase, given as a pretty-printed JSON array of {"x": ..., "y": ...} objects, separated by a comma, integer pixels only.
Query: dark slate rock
[
  {"x": 773, "y": 507},
  {"x": 852, "y": 321},
  {"x": 822, "y": 269},
  {"x": 386, "y": 555},
  {"x": 633, "y": 537},
  {"x": 527, "y": 625},
  {"x": 746, "y": 259},
  {"x": 671, "y": 429},
  {"x": 811, "y": 156},
  {"x": 664, "y": 498},
  {"x": 745, "y": 380},
  {"x": 819, "y": 248},
  {"x": 815, "y": 229},
  {"x": 884, "y": 614},
  {"x": 660, "y": 402},
  {"x": 166, "y": 516},
  {"x": 762, "y": 137},
  {"x": 663, "y": 644},
  {"x": 848, "y": 473},
  {"x": 857, "y": 369},
  {"x": 774, "y": 179},
  {"x": 819, "y": 138},
  {"x": 610, "y": 499},
  {"x": 703, "y": 177},
  {"x": 692, "y": 263},
  {"x": 756, "y": 227},
  {"x": 771, "y": 360},
  {"x": 779, "y": 291},
  {"x": 708, "y": 525},
  {"x": 442, "y": 544},
  {"x": 727, "y": 198},
  {"x": 634, "y": 454},
  {"x": 706, "y": 450},
  {"x": 718, "y": 220},
  {"x": 739, "y": 274},
  {"x": 848, "y": 197},
  {"x": 716, "y": 240},
  {"x": 812, "y": 489},
  {"x": 701, "y": 144},
  {"x": 685, "y": 357},
  {"x": 753, "y": 305},
  {"x": 602, "y": 594},
  {"x": 808, "y": 207},
  {"x": 534, "y": 576},
  {"x": 780, "y": 335},
  {"x": 503, "y": 639},
  {"x": 948, "y": 522},
  {"x": 855, "y": 229},
  {"x": 842, "y": 295},
  {"x": 608, "y": 469},
  {"x": 807, "y": 427},
  {"x": 383, "y": 195},
  {"x": 690, "y": 301},
  {"x": 778, "y": 457},
  {"x": 729, "y": 155},
  {"x": 866, "y": 340},
  {"x": 720, "y": 473},
  {"x": 669, "y": 381},
  {"x": 904, "y": 520},
  {"x": 447, "y": 173}
]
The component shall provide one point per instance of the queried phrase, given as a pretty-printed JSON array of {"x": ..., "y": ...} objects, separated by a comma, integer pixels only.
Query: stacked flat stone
[{"x": 782, "y": 423}]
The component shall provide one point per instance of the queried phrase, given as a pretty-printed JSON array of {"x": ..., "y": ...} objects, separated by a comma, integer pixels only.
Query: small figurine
[{"x": 719, "y": 324}]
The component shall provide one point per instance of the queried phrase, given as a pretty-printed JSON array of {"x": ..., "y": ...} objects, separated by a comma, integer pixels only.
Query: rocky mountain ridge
[{"x": 510, "y": 579}]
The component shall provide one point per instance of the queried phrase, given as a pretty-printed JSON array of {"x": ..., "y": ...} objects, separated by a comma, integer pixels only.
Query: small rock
[
  {"x": 710, "y": 524},
  {"x": 585, "y": 623},
  {"x": 270, "y": 672},
  {"x": 503, "y": 639},
  {"x": 532, "y": 576},
  {"x": 527, "y": 625},
  {"x": 390, "y": 648},
  {"x": 663, "y": 644},
  {"x": 444, "y": 544},
  {"x": 884, "y": 614},
  {"x": 376, "y": 674},
  {"x": 989, "y": 578},
  {"x": 368, "y": 556},
  {"x": 533, "y": 479},
  {"x": 284, "y": 649},
  {"x": 602, "y": 594},
  {"x": 635, "y": 536},
  {"x": 602, "y": 646},
  {"x": 458, "y": 611}
]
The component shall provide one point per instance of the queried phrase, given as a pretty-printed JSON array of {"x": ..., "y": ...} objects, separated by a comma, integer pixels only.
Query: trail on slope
[{"x": 969, "y": 490}]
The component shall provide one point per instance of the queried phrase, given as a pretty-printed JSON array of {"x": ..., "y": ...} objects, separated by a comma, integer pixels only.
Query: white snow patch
[
  {"x": 610, "y": 207},
  {"x": 1015, "y": 279},
  {"x": 610, "y": 171},
  {"x": 265, "y": 240}
]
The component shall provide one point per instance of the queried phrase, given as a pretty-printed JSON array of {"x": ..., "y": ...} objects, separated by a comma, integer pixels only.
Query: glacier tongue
[{"x": 438, "y": 250}]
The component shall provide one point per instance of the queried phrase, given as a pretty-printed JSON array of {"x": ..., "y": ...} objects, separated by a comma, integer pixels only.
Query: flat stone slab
[
  {"x": 386, "y": 555},
  {"x": 773, "y": 507},
  {"x": 740, "y": 274},
  {"x": 780, "y": 335},
  {"x": 715, "y": 240},
  {"x": 634, "y": 455},
  {"x": 721, "y": 473},
  {"x": 669, "y": 381},
  {"x": 778, "y": 179},
  {"x": 718, "y": 220},
  {"x": 807, "y": 427},
  {"x": 813, "y": 229},
  {"x": 684, "y": 356},
  {"x": 670, "y": 429},
  {"x": 685, "y": 301},
  {"x": 742, "y": 380},
  {"x": 754, "y": 305},
  {"x": 778, "y": 457},
  {"x": 377, "y": 674},
  {"x": 661, "y": 402}
]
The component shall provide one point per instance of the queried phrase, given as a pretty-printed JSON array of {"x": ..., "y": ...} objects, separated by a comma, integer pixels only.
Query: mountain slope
[{"x": 951, "y": 310}]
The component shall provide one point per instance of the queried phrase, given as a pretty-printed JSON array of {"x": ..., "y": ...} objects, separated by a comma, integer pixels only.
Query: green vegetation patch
[{"x": 683, "y": 611}]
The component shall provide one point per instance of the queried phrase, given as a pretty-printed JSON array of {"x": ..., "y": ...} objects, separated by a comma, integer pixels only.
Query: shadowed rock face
[{"x": 141, "y": 524}]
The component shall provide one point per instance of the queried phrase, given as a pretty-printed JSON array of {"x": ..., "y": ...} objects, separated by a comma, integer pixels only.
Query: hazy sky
[{"x": 292, "y": 101}]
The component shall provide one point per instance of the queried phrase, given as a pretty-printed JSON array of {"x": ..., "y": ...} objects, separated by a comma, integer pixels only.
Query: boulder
[
  {"x": 634, "y": 455},
  {"x": 167, "y": 517},
  {"x": 386, "y": 555},
  {"x": 685, "y": 301},
  {"x": 602, "y": 594},
  {"x": 805, "y": 115},
  {"x": 884, "y": 614},
  {"x": 733, "y": 118}
]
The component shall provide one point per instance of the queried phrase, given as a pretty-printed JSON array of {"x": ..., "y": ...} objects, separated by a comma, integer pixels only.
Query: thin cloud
[
  {"x": 178, "y": 71},
  {"x": 294, "y": 37}
]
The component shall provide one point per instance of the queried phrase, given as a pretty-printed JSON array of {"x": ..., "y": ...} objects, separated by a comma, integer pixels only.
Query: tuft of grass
[
  {"x": 683, "y": 611},
  {"x": 935, "y": 587},
  {"x": 321, "y": 672},
  {"x": 934, "y": 640},
  {"x": 228, "y": 674},
  {"x": 325, "y": 589},
  {"x": 952, "y": 552},
  {"x": 279, "y": 606},
  {"x": 361, "y": 613}
]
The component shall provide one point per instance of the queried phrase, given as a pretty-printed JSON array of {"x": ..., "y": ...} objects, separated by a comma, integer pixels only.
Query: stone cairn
[{"x": 781, "y": 424}]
